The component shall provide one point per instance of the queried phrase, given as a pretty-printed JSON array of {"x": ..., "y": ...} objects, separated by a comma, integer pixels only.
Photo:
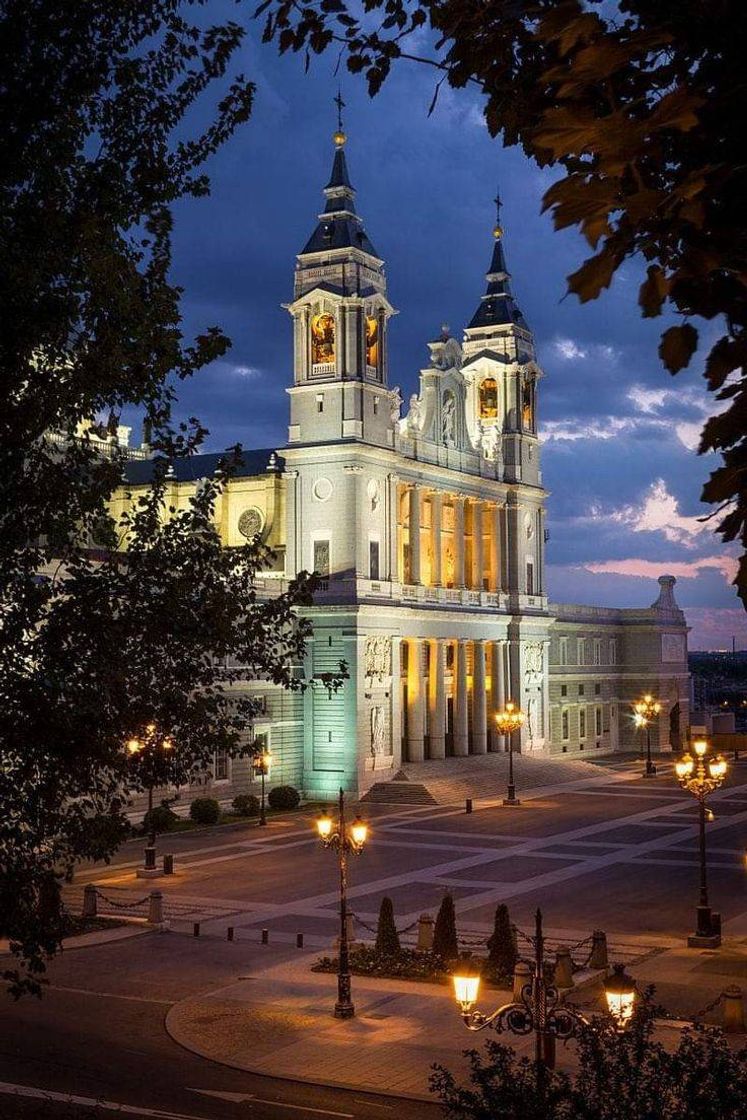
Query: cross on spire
[
  {"x": 340, "y": 106},
  {"x": 497, "y": 201}
]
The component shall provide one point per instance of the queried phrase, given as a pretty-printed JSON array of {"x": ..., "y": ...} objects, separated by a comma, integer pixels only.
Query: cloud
[
  {"x": 247, "y": 372},
  {"x": 652, "y": 569},
  {"x": 647, "y": 400},
  {"x": 568, "y": 350}
]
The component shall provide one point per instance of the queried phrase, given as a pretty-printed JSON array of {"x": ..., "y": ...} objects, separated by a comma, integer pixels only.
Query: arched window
[
  {"x": 322, "y": 339},
  {"x": 527, "y": 406},
  {"x": 489, "y": 399},
  {"x": 372, "y": 342}
]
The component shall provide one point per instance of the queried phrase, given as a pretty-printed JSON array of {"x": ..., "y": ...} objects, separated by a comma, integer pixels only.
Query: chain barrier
[
  {"x": 708, "y": 1007},
  {"x": 375, "y": 929},
  {"x": 122, "y": 905}
]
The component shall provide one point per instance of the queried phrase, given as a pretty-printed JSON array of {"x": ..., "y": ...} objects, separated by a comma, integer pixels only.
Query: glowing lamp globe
[
  {"x": 324, "y": 826},
  {"x": 134, "y": 746},
  {"x": 717, "y": 767},
  {"x": 266, "y": 760},
  {"x": 466, "y": 987},
  {"x": 359, "y": 832},
  {"x": 619, "y": 991},
  {"x": 700, "y": 746},
  {"x": 684, "y": 766}
]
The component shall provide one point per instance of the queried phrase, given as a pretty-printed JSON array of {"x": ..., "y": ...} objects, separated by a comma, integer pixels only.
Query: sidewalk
[{"x": 278, "y": 1020}]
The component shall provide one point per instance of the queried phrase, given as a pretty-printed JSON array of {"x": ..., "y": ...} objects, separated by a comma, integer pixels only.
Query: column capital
[
  {"x": 289, "y": 474},
  {"x": 351, "y": 468}
]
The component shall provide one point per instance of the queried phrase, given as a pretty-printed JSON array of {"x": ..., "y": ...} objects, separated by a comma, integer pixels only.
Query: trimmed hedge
[
  {"x": 284, "y": 797},
  {"x": 246, "y": 805},
  {"x": 204, "y": 810},
  {"x": 159, "y": 819}
]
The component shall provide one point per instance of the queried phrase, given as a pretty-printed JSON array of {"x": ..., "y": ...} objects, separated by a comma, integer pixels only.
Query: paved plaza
[{"x": 197, "y": 1025}]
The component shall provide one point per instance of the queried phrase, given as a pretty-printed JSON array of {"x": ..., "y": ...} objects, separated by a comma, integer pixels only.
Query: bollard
[
  {"x": 299, "y": 941},
  {"x": 155, "y": 908},
  {"x": 195, "y": 929},
  {"x": 265, "y": 937},
  {"x": 468, "y": 805},
  {"x": 425, "y": 933},
  {"x": 168, "y": 865},
  {"x": 522, "y": 977},
  {"x": 599, "y": 958},
  {"x": 563, "y": 969},
  {"x": 733, "y": 1008},
  {"x": 89, "y": 901},
  {"x": 229, "y": 933},
  {"x": 150, "y": 858}
]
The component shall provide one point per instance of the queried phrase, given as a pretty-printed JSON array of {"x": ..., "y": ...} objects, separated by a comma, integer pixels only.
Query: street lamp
[
  {"x": 701, "y": 776},
  {"x": 343, "y": 839},
  {"x": 538, "y": 1010},
  {"x": 261, "y": 763},
  {"x": 147, "y": 747},
  {"x": 507, "y": 721},
  {"x": 646, "y": 709}
]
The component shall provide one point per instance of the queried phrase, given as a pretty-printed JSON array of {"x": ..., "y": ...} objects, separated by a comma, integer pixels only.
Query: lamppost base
[
  {"x": 262, "y": 822},
  {"x": 511, "y": 801},
  {"x": 650, "y": 771},
  {"x": 708, "y": 930},
  {"x": 344, "y": 1011},
  {"x": 703, "y": 941}
]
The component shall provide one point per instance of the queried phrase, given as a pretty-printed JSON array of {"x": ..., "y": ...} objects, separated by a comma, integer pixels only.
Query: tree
[
  {"x": 616, "y": 1075},
  {"x": 97, "y": 143},
  {"x": 387, "y": 938},
  {"x": 445, "y": 942},
  {"x": 502, "y": 952},
  {"x": 642, "y": 105}
]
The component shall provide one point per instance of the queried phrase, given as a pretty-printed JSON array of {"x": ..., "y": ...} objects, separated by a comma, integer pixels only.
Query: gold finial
[
  {"x": 339, "y": 136},
  {"x": 497, "y": 232}
]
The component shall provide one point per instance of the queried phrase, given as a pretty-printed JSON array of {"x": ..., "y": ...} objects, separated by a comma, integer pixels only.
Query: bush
[
  {"x": 502, "y": 952},
  {"x": 387, "y": 938},
  {"x": 445, "y": 944},
  {"x": 409, "y": 964},
  {"x": 246, "y": 805},
  {"x": 159, "y": 819},
  {"x": 284, "y": 797},
  {"x": 204, "y": 810}
]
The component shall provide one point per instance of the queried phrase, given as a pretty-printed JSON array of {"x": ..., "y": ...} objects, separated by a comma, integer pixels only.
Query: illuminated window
[
  {"x": 527, "y": 406},
  {"x": 489, "y": 399},
  {"x": 372, "y": 342},
  {"x": 322, "y": 339},
  {"x": 220, "y": 766}
]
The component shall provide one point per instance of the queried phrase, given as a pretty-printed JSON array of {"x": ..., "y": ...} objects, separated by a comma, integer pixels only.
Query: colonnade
[
  {"x": 480, "y": 522},
  {"x": 451, "y": 689}
]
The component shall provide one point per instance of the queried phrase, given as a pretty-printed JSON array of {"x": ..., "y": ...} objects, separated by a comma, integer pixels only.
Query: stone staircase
[{"x": 399, "y": 791}]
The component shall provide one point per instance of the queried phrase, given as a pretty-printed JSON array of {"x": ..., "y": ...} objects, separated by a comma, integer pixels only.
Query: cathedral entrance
[{"x": 449, "y": 727}]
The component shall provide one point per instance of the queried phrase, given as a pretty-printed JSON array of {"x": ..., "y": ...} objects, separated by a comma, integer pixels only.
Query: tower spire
[
  {"x": 339, "y": 136},
  {"x": 498, "y": 305}
]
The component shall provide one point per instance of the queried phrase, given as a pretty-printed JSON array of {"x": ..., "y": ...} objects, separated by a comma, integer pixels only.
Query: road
[{"x": 617, "y": 854}]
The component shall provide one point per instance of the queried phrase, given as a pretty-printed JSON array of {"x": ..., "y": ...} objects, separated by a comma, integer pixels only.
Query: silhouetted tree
[
  {"x": 445, "y": 942},
  {"x": 387, "y": 938}
]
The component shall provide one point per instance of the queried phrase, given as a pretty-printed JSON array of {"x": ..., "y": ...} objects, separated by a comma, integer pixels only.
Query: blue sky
[{"x": 619, "y": 432}]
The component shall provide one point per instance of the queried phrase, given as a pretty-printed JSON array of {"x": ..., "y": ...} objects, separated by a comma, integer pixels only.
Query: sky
[{"x": 619, "y": 433}]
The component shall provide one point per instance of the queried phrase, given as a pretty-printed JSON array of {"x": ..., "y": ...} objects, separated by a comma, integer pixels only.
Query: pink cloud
[{"x": 652, "y": 569}]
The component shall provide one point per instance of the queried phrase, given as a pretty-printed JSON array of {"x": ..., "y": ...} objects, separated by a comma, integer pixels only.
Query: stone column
[
  {"x": 415, "y": 702},
  {"x": 461, "y": 714},
  {"x": 414, "y": 533},
  {"x": 479, "y": 700},
  {"x": 436, "y": 505},
  {"x": 393, "y": 523},
  {"x": 458, "y": 542},
  {"x": 437, "y": 699},
  {"x": 495, "y": 548},
  {"x": 477, "y": 545},
  {"x": 497, "y": 694}
]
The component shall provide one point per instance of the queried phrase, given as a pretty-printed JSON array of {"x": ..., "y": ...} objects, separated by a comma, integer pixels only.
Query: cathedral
[{"x": 425, "y": 523}]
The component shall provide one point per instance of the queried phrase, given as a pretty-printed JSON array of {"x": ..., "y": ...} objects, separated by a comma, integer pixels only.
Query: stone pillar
[
  {"x": 458, "y": 542},
  {"x": 461, "y": 714},
  {"x": 436, "y": 507},
  {"x": 479, "y": 700},
  {"x": 414, "y": 533},
  {"x": 437, "y": 699},
  {"x": 393, "y": 522},
  {"x": 497, "y": 694},
  {"x": 477, "y": 545},
  {"x": 415, "y": 704},
  {"x": 495, "y": 548}
]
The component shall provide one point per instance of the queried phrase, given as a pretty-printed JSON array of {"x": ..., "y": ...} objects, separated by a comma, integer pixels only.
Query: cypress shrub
[
  {"x": 445, "y": 944},
  {"x": 502, "y": 951},
  {"x": 387, "y": 938}
]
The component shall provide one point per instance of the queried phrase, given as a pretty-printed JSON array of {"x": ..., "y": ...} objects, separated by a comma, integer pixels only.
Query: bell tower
[{"x": 340, "y": 316}]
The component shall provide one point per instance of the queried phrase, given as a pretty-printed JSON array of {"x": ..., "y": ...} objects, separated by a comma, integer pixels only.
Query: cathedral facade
[{"x": 426, "y": 526}]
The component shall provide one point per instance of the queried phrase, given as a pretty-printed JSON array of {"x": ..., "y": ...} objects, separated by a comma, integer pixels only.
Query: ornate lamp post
[
  {"x": 343, "y": 839},
  {"x": 507, "y": 721},
  {"x": 647, "y": 709},
  {"x": 261, "y": 763},
  {"x": 147, "y": 747},
  {"x": 538, "y": 1010},
  {"x": 700, "y": 776}
]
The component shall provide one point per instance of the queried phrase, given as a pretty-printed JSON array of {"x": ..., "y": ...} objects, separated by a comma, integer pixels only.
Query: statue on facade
[
  {"x": 415, "y": 415},
  {"x": 448, "y": 419},
  {"x": 395, "y": 405},
  {"x": 378, "y": 731},
  {"x": 490, "y": 439}
]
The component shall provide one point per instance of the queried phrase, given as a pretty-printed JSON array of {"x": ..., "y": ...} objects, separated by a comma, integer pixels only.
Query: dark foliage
[
  {"x": 642, "y": 104},
  {"x": 284, "y": 797},
  {"x": 246, "y": 805},
  {"x": 161, "y": 818},
  {"x": 204, "y": 810},
  {"x": 445, "y": 943},
  {"x": 502, "y": 952},
  {"x": 407, "y": 964},
  {"x": 387, "y": 938}
]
